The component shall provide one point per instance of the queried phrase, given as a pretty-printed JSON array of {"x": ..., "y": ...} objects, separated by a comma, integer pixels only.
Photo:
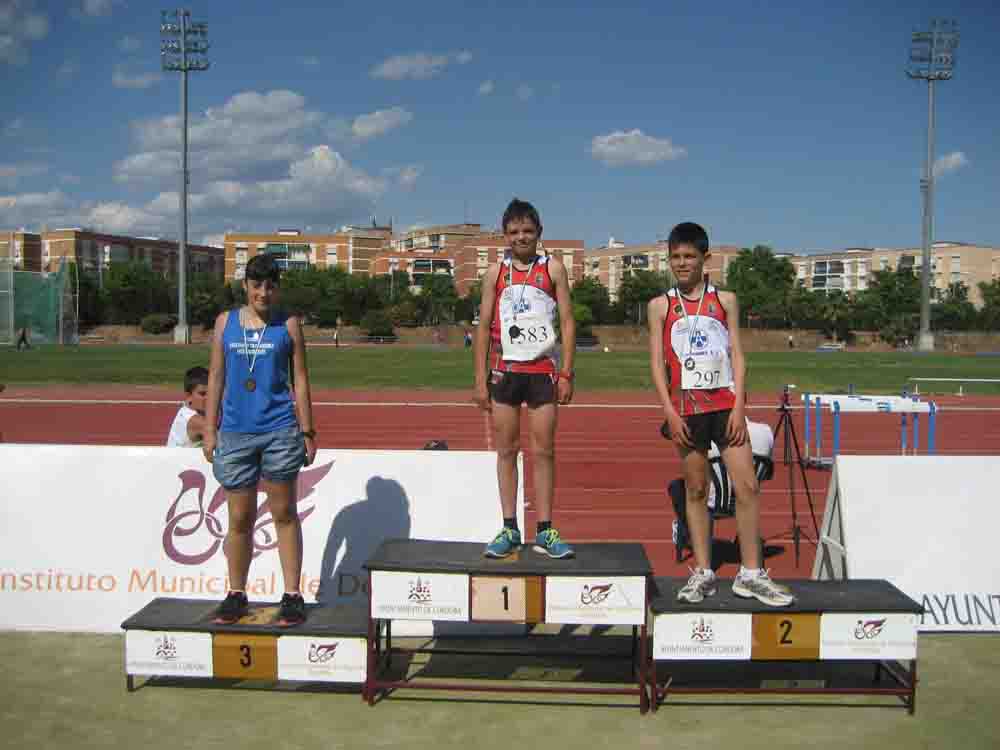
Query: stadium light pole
[
  {"x": 932, "y": 58},
  {"x": 183, "y": 48}
]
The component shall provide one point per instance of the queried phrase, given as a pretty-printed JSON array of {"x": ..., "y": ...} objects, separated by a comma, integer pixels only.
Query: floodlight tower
[
  {"x": 183, "y": 48},
  {"x": 932, "y": 58}
]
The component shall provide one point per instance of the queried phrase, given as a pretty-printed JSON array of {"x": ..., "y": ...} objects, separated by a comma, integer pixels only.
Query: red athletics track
[{"x": 612, "y": 466}]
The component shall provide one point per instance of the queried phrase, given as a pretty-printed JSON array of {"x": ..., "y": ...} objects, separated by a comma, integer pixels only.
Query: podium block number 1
[{"x": 506, "y": 599}]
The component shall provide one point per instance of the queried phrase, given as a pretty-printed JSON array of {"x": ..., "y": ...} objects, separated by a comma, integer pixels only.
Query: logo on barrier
[
  {"x": 594, "y": 595},
  {"x": 321, "y": 653},
  {"x": 166, "y": 648},
  {"x": 420, "y": 591},
  {"x": 868, "y": 629},
  {"x": 701, "y": 631},
  {"x": 187, "y": 518}
]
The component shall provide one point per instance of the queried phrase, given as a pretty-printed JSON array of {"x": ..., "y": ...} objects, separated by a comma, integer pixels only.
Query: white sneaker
[
  {"x": 699, "y": 585},
  {"x": 763, "y": 589}
]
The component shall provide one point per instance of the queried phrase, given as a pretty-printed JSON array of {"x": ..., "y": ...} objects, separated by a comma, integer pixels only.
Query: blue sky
[{"x": 792, "y": 125}]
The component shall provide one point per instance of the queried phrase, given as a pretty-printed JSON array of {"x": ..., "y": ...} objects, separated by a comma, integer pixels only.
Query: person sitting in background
[{"x": 189, "y": 423}]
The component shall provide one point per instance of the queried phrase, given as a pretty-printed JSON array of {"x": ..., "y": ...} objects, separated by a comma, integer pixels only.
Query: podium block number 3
[
  {"x": 506, "y": 599},
  {"x": 246, "y": 657}
]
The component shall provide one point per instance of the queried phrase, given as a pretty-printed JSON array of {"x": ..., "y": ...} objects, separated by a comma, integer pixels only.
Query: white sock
[
  {"x": 708, "y": 572},
  {"x": 750, "y": 573}
]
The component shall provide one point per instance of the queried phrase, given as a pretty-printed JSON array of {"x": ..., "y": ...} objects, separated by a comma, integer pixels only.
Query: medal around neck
[{"x": 250, "y": 383}]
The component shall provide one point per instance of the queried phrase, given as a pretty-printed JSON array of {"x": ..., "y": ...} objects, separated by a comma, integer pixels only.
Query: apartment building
[
  {"x": 951, "y": 262},
  {"x": 352, "y": 248},
  {"x": 94, "y": 251},
  {"x": 434, "y": 239},
  {"x": 614, "y": 262},
  {"x": 473, "y": 258}
]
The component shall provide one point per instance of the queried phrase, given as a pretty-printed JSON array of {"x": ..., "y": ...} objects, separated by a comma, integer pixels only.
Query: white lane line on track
[{"x": 450, "y": 404}]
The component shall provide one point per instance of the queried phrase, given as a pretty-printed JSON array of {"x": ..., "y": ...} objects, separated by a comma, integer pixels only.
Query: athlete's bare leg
[
  {"x": 696, "y": 503},
  {"x": 507, "y": 436},
  {"x": 281, "y": 497},
  {"x": 739, "y": 465},
  {"x": 238, "y": 546},
  {"x": 543, "y": 421}
]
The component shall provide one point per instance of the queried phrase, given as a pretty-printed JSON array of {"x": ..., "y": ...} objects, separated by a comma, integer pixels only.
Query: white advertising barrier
[
  {"x": 89, "y": 535},
  {"x": 884, "y": 404},
  {"x": 926, "y": 524}
]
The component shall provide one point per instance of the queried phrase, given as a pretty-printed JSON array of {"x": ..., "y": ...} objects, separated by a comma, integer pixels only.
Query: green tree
[
  {"x": 437, "y": 299},
  {"x": 593, "y": 295},
  {"x": 954, "y": 311},
  {"x": 206, "y": 298},
  {"x": 584, "y": 319},
  {"x": 835, "y": 313},
  {"x": 377, "y": 323},
  {"x": 894, "y": 301},
  {"x": 762, "y": 284},
  {"x": 804, "y": 308},
  {"x": 133, "y": 290},
  {"x": 91, "y": 300},
  {"x": 989, "y": 315},
  {"x": 638, "y": 288}
]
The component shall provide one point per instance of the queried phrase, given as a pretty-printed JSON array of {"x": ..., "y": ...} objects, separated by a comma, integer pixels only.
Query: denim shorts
[{"x": 243, "y": 458}]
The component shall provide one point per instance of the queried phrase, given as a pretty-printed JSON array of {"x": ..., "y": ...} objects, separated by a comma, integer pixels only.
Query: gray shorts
[{"x": 242, "y": 458}]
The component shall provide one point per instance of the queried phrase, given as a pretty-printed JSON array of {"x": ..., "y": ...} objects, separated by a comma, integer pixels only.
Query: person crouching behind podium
[
  {"x": 699, "y": 370},
  {"x": 521, "y": 297},
  {"x": 265, "y": 436}
]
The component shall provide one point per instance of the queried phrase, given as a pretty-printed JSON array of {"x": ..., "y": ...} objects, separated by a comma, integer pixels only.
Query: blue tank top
[{"x": 269, "y": 406}]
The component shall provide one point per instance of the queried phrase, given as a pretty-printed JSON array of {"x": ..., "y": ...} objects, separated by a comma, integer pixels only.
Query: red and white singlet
[
  {"x": 696, "y": 349},
  {"x": 523, "y": 331}
]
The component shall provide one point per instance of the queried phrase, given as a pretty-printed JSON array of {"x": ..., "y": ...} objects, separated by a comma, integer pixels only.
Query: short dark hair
[
  {"x": 194, "y": 377},
  {"x": 262, "y": 268},
  {"x": 688, "y": 233},
  {"x": 519, "y": 209}
]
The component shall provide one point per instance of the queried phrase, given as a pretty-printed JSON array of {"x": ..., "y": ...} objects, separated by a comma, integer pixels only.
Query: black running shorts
[
  {"x": 516, "y": 388},
  {"x": 705, "y": 429}
]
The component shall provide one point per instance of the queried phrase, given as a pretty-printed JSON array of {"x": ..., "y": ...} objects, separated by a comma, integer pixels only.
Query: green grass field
[
  {"x": 427, "y": 368},
  {"x": 67, "y": 691}
]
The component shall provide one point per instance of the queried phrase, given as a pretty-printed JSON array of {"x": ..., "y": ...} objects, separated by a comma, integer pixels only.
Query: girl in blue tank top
[{"x": 265, "y": 435}]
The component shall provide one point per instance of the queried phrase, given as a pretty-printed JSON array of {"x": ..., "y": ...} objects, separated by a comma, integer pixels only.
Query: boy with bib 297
[{"x": 698, "y": 369}]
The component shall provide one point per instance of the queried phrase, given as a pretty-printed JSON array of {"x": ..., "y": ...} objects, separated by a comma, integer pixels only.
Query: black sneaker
[
  {"x": 233, "y": 607},
  {"x": 292, "y": 611}
]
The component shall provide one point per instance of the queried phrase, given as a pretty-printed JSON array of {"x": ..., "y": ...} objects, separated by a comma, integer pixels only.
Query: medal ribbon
[{"x": 258, "y": 345}]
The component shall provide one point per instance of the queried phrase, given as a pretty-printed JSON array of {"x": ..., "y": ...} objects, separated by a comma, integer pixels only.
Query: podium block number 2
[
  {"x": 786, "y": 636},
  {"x": 506, "y": 599}
]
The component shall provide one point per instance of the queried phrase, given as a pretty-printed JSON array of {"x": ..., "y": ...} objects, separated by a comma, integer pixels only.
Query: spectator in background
[
  {"x": 22, "y": 339},
  {"x": 188, "y": 426}
]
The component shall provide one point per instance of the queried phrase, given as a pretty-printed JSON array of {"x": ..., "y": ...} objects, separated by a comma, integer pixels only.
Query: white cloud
[
  {"x": 29, "y": 209},
  {"x": 310, "y": 61},
  {"x": 120, "y": 218},
  {"x": 129, "y": 43},
  {"x": 486, "y": 88},
  {"x": 249, "y": 132},
  {"x": 525, "y": 92},
  {"x": 418, "y": 66},
  {"x": 379, "y": 122},
  {"x": 633, "y": 147},
  {"x": 408, "y": 176},
  {"x": 949, "y": 163},
  {"x": 68, "y": 69},
  {"x": 13, "y": 127},
  {"x": 121, "y": 79},
  {"x": 214, "y": 240},
  {"x": 98, "y": 7},
  {"x": 19, "y": 26},
  {"x": 10, "y": 174}
]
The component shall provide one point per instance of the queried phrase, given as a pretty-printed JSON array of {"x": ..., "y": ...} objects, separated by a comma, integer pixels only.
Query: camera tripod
[{"x": 786, "y": 425}]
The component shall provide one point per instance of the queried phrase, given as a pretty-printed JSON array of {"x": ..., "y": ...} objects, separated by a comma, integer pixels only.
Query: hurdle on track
[
  {"x": 905, "y": 405},
  {"x": 961, "y": 383}
]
